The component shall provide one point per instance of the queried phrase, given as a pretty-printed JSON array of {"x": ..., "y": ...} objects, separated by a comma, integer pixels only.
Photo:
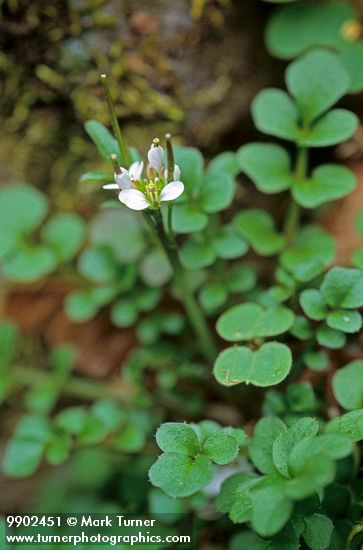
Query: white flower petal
[
  {"x": 171, "y": 191},
  {"x": 176, "y": 174},
  {"x": 110, "y": 186},
  {"x": 134, "y": 199},
  {"x": 123, "y": 180},
  {"x": 155, "y": 157},
  {"x": 135, "y": 170}
]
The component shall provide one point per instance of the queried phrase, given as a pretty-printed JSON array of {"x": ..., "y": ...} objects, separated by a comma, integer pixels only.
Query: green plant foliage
[
  {"x": 250, "y": 321},
  {"x": 267, "y": 366},
  {"x": 297, "y": 27},
  {"x": 348, "y": 385},
  {"x": 257, "y": 227},
  {"x": 185, "y": 467}
]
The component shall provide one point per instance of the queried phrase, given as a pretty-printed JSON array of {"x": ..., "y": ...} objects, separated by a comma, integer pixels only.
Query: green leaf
[
  {"x": 64, "y": 233},
  {"x": 217, "y": 191},
  {"x": 224, "y": 163},
  {"x": 176, "y": 437},
  {"x": 258, "y": 228},
  {"x": 285, "y": 442},
  {"x": 58, "y": 448},
  {"x": 191, "y": 164},
  {"x": 80, "y": 306},
  {"x": 22, "y": 208},
  {"x": 249, "y": 321},
  {"x": 226, "y": 497},
  {"x": 99, "y": 177},
  {"x": 242, "y": 278},
  {"x": 98, "y": 264},
  {"x": 241, "y": 509},
  {"x": 331, "y": 338},
  {"x": 312, "y": 251},
  {"x": 316, "y": 360},
  {"x": 120, "y": 229},
  {"x": 351, "y": 57},
  {"x": 316, "y": 80},
  {"x": 333, "y": 127},
  {"x": 318, "y": 531},
  {"x": 155, "y": 268},
  {"x": 213, "y": 295},
  {"x": 221, "y": 448},
  {"x": 179, "y": 475},
  {"x": 350, "y": 424},
  {"x": 301, "y": 397},
  {"x": 333, "y": 446},
  {"x": 196, "y": 255},
  {"x": 357, "y": 258},
  {"x": 130, "y": 440},
  {"x": 228, "y": 244},
  {"x": 188, "y": 218},
  {"x": 297, "y": 27},
  {"x": 266, "y": 431},
  {"x": 271, "y": 508},
  {"x": 103, "y": 139},
  {"x": 274, "y": 113},
  {"x": 25, "y": 266},
  {"x": 72, "y": 420},
  {"x": 345, "y": 320},
  {"x": 328, "y": 182},
  {"x": 25, "y": 450},
  {"x": 301, "y": 328},
  {"x": 348, "y": 385},
  {"x": 268, "y": 166},
  {"x": 316, "y": 473},
  {"x": 313, "y": 304},
  {"x": 124, "y": 313},
  {"x": 343, "y": 287},
  {"x": 265, "y": 367}
]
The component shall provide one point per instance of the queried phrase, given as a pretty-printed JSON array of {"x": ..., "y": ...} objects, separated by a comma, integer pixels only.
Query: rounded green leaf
[
  {"x": 265, "y": 367},
  {"x": 345, "y": 320},
  {"x": 221, "y": 448},
  {"x": 65, "y": 234},
  {"x": 316, "y": 360},
  {"x": 25, "y": 266},
  {"x": 196, "y": 255},
  {"x": 316, "y": 80},
  {"x": 313, "y": 304},
  {"x": 258, "y": 228},
  {"x": 213, "y": 296},
  {"x": 191, "y": 163},
  {"x": 155, "y": 268},
  {"x": 330, "y": 338},
  {"x": 334, "y": 127},
  {"x": 179, "y": 475},
  {"x": 124, "y": 313},
  {"x": 266, "y": 431},
  {"x": 318, "y": 531},
  {"x": 249, "y": 321},
  {"x": 350, "y": 424},
  {"x": 274, "y": 113},
  {"x": 351, "y": 56},
  {"x": 98, "y": 264},
  {"x": 22, "y": 208},
  {"x": 270, "y": 507},
  {"x": 241, "y": 278},
  {"x": 120, "y": 229},
  {"x": 328, "y": 182},
  {"x": 267, "y": 164},
  {"x": 188, "y": 218},
  {"x": 174, "y": 437},
  {"x": 228, "y": 244},
  {"x": 80, "y": 306},
  {"x": 216, "y": 193},
  {"x": 348, "y": 385},
  {"x": 343, "y": 287},
  {"x": 312, "y": 251}
]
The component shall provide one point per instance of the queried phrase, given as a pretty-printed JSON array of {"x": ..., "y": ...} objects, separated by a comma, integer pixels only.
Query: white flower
[
  {"x": 137, "y": 193},
  {"x": 155, "y": 157}
]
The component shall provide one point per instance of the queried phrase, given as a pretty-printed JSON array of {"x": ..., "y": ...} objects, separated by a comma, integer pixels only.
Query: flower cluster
[{"x": 139, "y": 193}]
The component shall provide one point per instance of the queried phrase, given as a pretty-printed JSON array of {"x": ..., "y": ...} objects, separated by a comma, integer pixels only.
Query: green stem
[
  {"x": 115, "y": 125},
  {"x": 193, "y": 311},
  {"x": 293, "y": 214}
]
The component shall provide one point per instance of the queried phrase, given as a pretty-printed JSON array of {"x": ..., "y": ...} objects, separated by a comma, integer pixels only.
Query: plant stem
[
  {"x": 115, "y": 125},
  {"x": 293, "y": 214},
  {"x": 193, "y": 310}
]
